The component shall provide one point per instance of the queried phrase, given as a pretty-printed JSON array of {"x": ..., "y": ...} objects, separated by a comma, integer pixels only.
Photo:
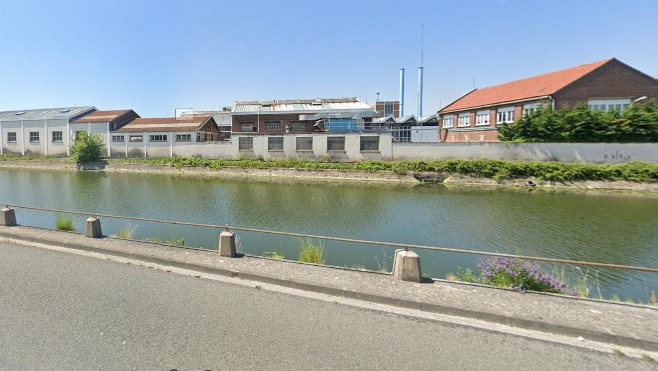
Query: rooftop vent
[
  {"x": 65, "y": 110},
  {"x": 317, "y": 102},
  {"x": 20, "y": 113}
]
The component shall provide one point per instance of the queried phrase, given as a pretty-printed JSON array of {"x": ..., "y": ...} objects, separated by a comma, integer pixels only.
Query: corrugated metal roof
[
  {"x": 46, "y": 113},
  {"x": 188, "y": 123},
  {"x": 103, "y": 116},
  {"x": 299, "y": 105}
]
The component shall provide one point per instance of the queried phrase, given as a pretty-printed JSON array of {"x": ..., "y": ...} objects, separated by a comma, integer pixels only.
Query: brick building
[
  {"x": 604, "y": 85},
  {"x": 387, "y": 108},
  {"x": 300, "y": 115}
]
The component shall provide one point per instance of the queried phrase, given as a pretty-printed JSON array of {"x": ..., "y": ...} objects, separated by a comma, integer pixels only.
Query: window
[
  {"x": 269, "y": 126},
  {"x": 118, "y": 138},
  {"x": 304, "y": 144},
  {"x": 618, "y": 105},
  {"x": 505, "y": 115},
  {"x": 246, "y": 144},
  {"x": 448, "y": 121},
  {"x": 57, "y": 136},
  {"x": 275, "y": 144},
  {"x": 11, "y": 137},
  {"x": 297, "y": 126},
  {"x": 34, "y": 136},
  {"x": 464, "y": 119},
  {"x": 157, "y": 138},
  {"x": 336, "y": 144},
  {"x": 370, "y": 143},
  {"x": 482, "y": 118},
  {"x": 530, "y": 108},
  {"x": 183, "y": 137},
  {"x": 246, "y": 126},
  {"x": 388, "y": 109},
  {"x": 136, "y": 138}
]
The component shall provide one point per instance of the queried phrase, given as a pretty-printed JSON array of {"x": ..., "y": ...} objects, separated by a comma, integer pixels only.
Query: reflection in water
[{"x": 609, "y": 228}]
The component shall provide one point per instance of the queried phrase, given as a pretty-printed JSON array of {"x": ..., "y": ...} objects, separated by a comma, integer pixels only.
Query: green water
[{"x": 608, "y": 228}]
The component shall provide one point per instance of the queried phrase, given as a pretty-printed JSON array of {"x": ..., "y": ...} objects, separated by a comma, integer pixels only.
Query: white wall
[
  {"x": 598, "y": 153},
  {"x": 44, "y": 146},
  {"x": 352, "y": 150}
]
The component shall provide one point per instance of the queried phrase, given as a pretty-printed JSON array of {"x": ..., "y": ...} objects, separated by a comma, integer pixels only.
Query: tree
[
  {"x": 638, "y": 123},
  {"x": 86, "y": 147}
]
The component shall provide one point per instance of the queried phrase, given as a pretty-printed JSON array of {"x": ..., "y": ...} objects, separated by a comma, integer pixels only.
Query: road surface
[{"x": 62, "y": 311}]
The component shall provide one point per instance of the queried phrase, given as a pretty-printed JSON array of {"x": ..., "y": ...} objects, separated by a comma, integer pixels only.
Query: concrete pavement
[
  {"x": 63, "y": 311},
  {"x": 614, "y": 323}
]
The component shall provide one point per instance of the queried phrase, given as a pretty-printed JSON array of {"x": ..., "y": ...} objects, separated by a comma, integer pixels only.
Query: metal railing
[{"x": 350, "y": 240}]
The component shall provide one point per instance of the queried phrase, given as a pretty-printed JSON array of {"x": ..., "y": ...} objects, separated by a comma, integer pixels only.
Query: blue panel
[{"x": 341, "y": 125}]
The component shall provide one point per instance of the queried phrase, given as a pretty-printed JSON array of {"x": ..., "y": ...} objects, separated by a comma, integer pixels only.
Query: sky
[{"x": 159, "y": 56}]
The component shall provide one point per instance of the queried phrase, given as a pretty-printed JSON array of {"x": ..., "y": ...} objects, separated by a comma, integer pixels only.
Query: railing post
[
  {"x": 8, "y": 218},
  {"x": 93, "y": 228},
  {"x": 406, "y": 266},
  {"x": 227, "y": 244}
]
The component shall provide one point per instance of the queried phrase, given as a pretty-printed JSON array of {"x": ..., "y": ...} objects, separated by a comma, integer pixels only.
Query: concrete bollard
[
  {"x": 227, "y": 244},
  {"x": 8, "y": 217},
  {"x": 406, "y": 266},
  {"x": 93, "y": 228}
]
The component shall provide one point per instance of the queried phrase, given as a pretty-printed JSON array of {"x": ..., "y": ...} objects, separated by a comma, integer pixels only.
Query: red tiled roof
[
  {"x": 102, "y": 116},
  {"x": 183, "y": 123},
  {"x": 531, "y": 87}
]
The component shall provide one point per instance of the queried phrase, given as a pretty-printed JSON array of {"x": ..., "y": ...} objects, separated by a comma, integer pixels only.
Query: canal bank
[
  {"x": 583, "y": 320},
  {"x": 321, "y": 175}
]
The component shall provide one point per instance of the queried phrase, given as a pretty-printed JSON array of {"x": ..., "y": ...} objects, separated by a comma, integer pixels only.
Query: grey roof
[
  {"x": 69, "y": 113},
  {"x": 409, "y": 119},
  {"x": 299, "y": 105}
]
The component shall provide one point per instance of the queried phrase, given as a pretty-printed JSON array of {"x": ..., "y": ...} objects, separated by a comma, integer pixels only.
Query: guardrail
[{"x": 406, "y": 262}]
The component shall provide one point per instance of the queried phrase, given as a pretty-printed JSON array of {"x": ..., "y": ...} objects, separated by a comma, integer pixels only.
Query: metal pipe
[
  {"x": 420, "y": 91},
  {"x": 401, "y": 92}
]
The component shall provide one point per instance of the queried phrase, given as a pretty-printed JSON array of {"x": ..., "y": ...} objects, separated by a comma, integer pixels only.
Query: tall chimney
[
  {"x": 401, "y": 92},
  {"x": 420, "y": 91}
]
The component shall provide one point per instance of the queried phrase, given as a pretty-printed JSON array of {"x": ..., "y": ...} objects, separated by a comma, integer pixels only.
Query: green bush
[
  {"x": 638, "y": 123},
  {"x": 310, "y": 252},
  {"x": 86, "y": 147},
  {"x": 63, "y": 223}
]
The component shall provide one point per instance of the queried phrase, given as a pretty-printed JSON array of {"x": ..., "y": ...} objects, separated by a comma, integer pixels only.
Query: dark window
[
  {"x": 34, "y": 136},
  {"x": 157, "y": 138},
  {"x": 183, "y": 137},
  {"x": 11, "y": 137},
  {"x": 335, "y": 143},
  {"x": 57, "y": 136},
  {"x": 304, "y": 144},
  {"x": 275, "y": 144},
  {"x": 370, "y": 143},
  {"x": 118, "y": 138},
  {"x": 246, "y": 143}
]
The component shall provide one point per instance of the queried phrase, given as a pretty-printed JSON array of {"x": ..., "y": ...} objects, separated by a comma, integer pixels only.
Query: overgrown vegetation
[
  {"x": 481, "y": 168},
  {"x": 63, "y": 223},
  {"x": 310, "y": 251},
  {"x": 523, "y": 275},
  {"x": 514, "y": 273},
  {"x": 274, "y": 255},
  {"x": 127, "y": 232},
  {"x": 87, "y": 147},
  {"x": 637, "y": 124}
]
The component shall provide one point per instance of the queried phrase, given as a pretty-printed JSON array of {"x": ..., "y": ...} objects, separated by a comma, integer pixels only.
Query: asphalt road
[{"x": 61, "y": 311}]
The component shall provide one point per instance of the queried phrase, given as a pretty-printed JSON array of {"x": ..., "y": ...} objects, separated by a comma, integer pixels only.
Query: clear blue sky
[{"x": 155, "y": 56}]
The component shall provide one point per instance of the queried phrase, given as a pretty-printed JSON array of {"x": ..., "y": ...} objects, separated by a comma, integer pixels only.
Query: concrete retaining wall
[{"x": 598, "y": 153}]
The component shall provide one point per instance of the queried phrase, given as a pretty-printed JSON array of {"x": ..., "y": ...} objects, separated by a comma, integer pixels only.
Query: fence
[{"x": 401, "y": 268}]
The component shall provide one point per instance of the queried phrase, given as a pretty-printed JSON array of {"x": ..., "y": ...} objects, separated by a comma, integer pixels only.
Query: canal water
[{"x": 610, "y": 228}]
